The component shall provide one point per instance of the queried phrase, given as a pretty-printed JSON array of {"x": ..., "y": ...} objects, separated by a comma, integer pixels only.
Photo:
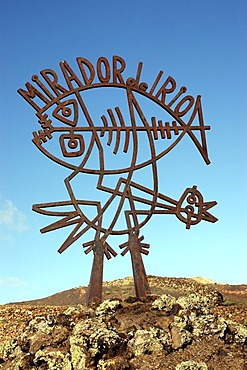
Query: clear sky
[{"x": 202, "y": 45}]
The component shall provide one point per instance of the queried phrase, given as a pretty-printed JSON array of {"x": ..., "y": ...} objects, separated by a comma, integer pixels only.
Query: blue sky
[{"x": 202, "y": 45}]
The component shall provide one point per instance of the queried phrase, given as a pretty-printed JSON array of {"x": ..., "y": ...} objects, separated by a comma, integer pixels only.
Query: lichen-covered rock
[
  {"x": 198, "y": 325},
  {"x": 78, "y": 356},
  {"x": 180, "y": 337},
  {"x": 164, "y": 301},
  {"x": 145, "y": 342},
  {"x": 191, "y": 365},
  {"x": 9, "y": 349},
  {"x": 197, "y": 303},
  {"x": 80, "y": 311},
  {"x": 40, "y": 339},
  {"x": 238, "y": 331},
  {"x": 106, "y": 341},
  {"x": 79, "y": 342},
  {"x": 19, "y": 363},
  {"x": 55, "y": 360},
  {"x": 94, "y": 336},
  {"x": 85, "y": 328},
  {"x": 208, "y": 325},
  {"x": 116, "y": 363},
  {"x": 41, "y": 324},
  {"x": 180, "y": 331},
  {"x": 107, "y": 307},
  {"x": 182, "y": 321},
  {"x": 163, "y": 336}
]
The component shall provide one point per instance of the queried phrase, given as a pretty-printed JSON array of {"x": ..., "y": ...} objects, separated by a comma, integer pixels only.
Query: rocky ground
[{"x": 185, "y": 325}]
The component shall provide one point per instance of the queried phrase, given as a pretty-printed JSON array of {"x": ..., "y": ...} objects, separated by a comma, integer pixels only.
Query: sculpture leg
[
  {"x": 140, "y": 278},
  {"x": 94, "y": 293}
]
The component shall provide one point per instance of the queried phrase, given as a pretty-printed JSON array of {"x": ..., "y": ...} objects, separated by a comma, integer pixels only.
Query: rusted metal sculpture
[{"x": 64, "y": 116}]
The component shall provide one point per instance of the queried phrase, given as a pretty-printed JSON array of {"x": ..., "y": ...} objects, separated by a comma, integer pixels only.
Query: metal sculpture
[{"x": 63, "y": 113}]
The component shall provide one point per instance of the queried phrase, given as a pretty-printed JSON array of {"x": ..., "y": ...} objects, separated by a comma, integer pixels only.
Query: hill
[{"x": 233, "y": 294}]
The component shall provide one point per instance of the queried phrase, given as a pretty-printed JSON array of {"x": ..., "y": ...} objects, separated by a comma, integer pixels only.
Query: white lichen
[
  {"x": 239, "y": 331},
  {"x": 191, "y": 365},
  {"x": 9, "y": 349},
  {"x": 208, "y": 325},
  {"x": 164, "y": 301},
  {"x": 145, "y": 342},
  {"x": 196, "y": 302},
  {"x": 55, "y": 360},
  {"x": 107, "y": 307},
  {"x": 78, "y": 356},
  {"x": 79, "y": 310}
]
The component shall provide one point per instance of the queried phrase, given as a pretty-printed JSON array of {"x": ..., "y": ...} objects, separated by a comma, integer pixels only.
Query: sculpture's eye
[
  {"x": 72, "y": 145},
  {"x": 192, "y": 198},
  {"x": 67, "y": 112}
]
